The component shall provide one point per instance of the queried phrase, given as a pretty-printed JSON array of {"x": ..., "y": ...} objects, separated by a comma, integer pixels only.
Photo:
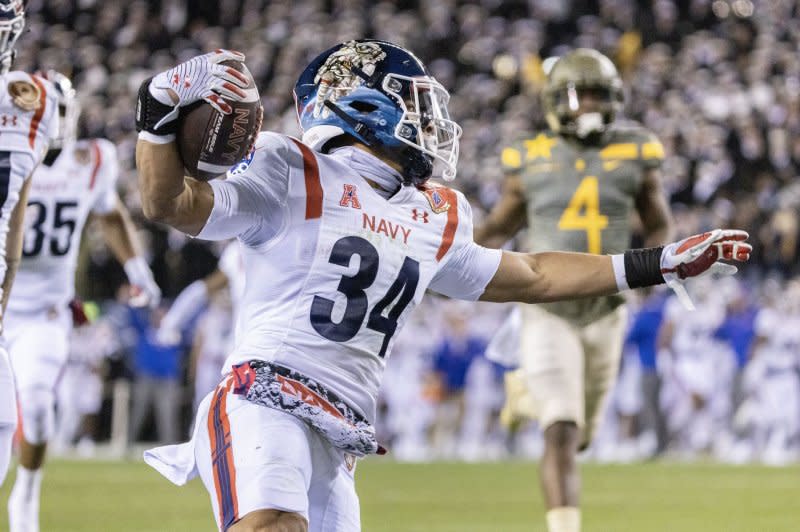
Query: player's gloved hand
[
  {"x": 200, "y": 78},
  {"x": 168, "y": 336},
  {"x": 144, "y": 290},
  {"x": 700, "y": 255}
]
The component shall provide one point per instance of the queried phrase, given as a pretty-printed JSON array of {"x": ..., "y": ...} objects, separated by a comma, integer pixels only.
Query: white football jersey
[
  {"x": 332, "y": 268},
  {"x": 693, "y": 334},
  {"x": 231, "y": 264},
  {"x": 782, "y": 334},
  {"x": 82, "y": 179},
  {"x": 28, "y": 114},
  {"x": 28, "y": 121}
]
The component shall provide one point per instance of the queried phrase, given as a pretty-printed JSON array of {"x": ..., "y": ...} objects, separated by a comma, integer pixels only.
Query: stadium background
[{"x": 717, "y": 81}]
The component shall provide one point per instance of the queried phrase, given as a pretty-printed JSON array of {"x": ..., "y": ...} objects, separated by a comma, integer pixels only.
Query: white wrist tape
[
  {"x": 156, "y": 139},
  {"x": 138, "y": 271},
  {"x": 618, "y": 262}
]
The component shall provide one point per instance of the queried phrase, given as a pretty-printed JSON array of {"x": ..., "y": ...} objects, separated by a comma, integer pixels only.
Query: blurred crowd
[
  {"x": 723, "y": 384},
  {"x": 717, "y": 80}
]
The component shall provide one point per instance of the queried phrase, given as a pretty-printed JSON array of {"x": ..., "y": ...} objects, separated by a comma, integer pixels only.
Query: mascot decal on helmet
[
  {"x": 336, "y": 77},
  {"x": 382, "y": 96}
]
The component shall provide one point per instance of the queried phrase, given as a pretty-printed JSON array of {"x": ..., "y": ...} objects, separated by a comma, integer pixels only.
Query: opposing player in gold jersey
[{"x": 576, "y": 185}]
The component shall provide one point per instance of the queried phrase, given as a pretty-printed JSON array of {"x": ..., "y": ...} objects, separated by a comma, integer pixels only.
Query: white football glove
[
  {"x": 699, "y": 255},
  {"x": 200, "y": 78},
  {"x": 144, "y": 290},
  {"x": 167, "y": 336}
]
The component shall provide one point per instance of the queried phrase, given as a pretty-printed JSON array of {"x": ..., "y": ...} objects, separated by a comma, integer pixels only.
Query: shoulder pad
[
  {"x": 27, "y": 92},
  {"x": 647, "y": 145}
]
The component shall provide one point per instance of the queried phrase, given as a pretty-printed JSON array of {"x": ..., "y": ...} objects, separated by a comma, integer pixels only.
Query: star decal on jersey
[{"x": 539, "y": 147}]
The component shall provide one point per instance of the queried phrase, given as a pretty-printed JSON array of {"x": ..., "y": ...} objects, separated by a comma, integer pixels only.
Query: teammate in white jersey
[
  {"x": 28, "y": 120},
  {"x": 77, "y": 178},
  {"x": 215, "y": 334},
  {"x": 341, "y": 235},
  {"x": 776, "y": 360},
  {"x": 194, "y": 298}
]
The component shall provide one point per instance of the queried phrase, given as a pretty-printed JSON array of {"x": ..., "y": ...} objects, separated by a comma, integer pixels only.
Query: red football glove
[{"x": 699, "y": 255}]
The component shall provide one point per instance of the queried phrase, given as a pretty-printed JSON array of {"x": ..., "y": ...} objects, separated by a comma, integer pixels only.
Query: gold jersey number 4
[{"x": 583, "y": 214}]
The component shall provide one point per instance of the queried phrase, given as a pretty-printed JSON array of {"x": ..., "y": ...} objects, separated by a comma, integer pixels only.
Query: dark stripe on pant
[
  {"x": 220, "y": 448},
  {"x": 5, "y": 177}
]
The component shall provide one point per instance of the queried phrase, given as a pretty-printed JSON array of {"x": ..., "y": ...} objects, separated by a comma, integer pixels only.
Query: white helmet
[
  {"x": 12, "y": 22},
  {"x": 68, "y": 109}
]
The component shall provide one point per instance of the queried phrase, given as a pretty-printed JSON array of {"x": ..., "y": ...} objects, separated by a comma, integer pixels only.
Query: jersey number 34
[{"x": 353, "y": 287}]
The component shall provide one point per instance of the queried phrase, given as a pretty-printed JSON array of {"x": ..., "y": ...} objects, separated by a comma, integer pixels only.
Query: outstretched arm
[
  {"x": 553, "y": 276},
  {"x": 189, "y": 303},
  {"x": 120, "y": 235}
]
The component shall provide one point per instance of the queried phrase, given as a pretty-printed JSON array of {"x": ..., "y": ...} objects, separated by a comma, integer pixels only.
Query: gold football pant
[{"x": 566, "y": 370}]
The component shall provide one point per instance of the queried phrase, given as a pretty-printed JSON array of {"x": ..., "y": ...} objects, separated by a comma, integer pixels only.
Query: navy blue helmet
[
  {"x": 12, "y": 22},
  {"x": 382, "y": 96}
]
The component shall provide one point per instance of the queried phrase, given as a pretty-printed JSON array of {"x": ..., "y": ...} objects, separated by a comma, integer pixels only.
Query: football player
[
  {"x": 576, "y": 184},
  {"x": 28, "y": 120},
  {"x": 194, "y": 298},
  {"x": 214, "y": 334},
  {"x": 697, "y": 368},
  {"x": 341, "y": 234},
  {"x": 776, "y": 356},
  {"x": 77, "y": 178}
]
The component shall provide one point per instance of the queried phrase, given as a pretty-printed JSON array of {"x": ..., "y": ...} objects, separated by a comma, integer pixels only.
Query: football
[{"x": 210, "y": 142}]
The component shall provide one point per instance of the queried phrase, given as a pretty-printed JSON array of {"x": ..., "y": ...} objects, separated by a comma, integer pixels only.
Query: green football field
[{"x": 447, "y": 497}]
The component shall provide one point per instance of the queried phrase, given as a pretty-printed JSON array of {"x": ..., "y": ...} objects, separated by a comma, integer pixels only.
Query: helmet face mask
[
  {"x": 382, "y": 96},
  {"x": 12, "y": 22},
  {"x": 425, "y": 123},
  {"x": 582, "y": 76}
]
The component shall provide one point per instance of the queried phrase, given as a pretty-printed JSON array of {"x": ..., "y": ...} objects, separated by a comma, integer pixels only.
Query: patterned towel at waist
[{"x": 279, "y": 387}]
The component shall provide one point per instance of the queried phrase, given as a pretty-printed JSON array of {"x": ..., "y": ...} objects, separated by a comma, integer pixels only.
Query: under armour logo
[
  {"x": 176, "y": 80},
  {"x": 416, "y": 214},
  {"x": 350, "y": 197},
  {"x": 8, "y": 120}
]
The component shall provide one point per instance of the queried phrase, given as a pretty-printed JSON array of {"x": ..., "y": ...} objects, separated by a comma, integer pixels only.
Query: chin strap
[
  {"x": 417, "y": 167},
  {"x": 365, "y": 133}
]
